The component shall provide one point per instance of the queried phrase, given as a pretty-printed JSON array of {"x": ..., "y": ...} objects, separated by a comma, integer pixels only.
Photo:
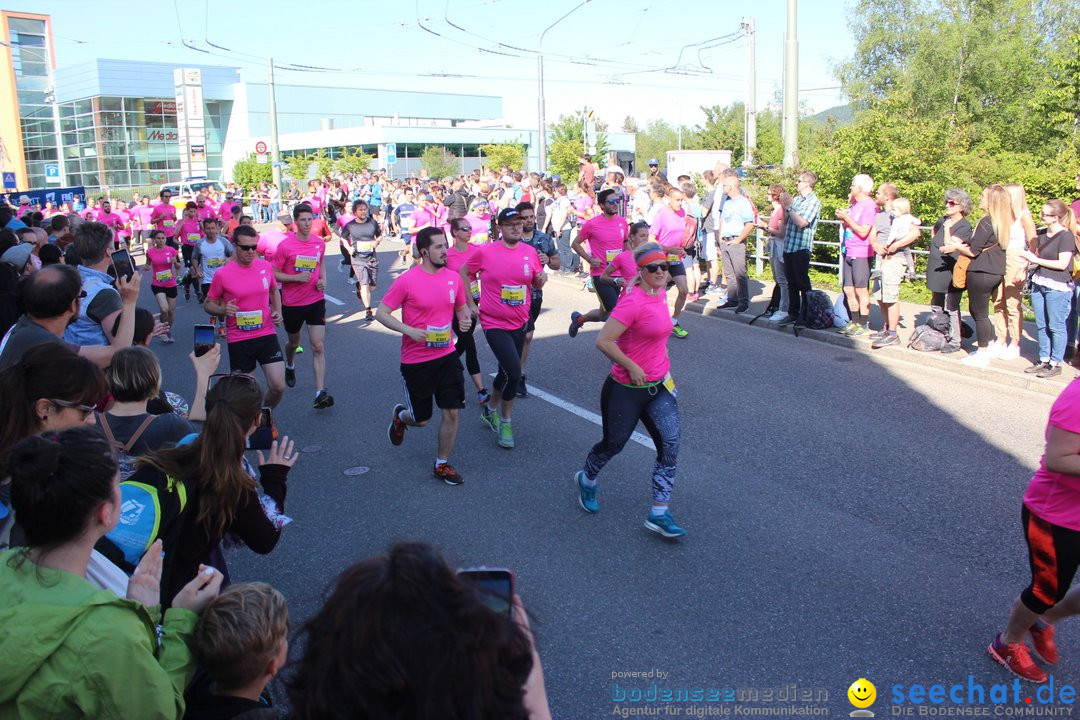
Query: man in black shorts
[
  {"x": 549, "y": 258},
  {"x": 361, "y": 238}
]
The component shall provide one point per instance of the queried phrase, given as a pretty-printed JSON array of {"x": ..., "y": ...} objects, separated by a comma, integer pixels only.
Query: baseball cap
[
  {"x": 653, "y": 161},
  {"x": 508, "y": 215},
  {"x": 17, "y": 255},
  {"x": 429, "y": 198},
  {"x": 24, "y": 199}
]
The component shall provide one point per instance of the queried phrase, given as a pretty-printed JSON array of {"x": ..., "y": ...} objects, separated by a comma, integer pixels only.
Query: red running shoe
[
  {"x": 1017, "y": 659},
  {"x": 396, "y": 430},
  {"x": 1042, "y": 643}
]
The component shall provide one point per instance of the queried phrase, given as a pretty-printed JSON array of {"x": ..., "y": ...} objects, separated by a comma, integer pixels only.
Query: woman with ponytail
[
  {"x": 223, "y": 495},
  {"x": 70, "y": 649}
]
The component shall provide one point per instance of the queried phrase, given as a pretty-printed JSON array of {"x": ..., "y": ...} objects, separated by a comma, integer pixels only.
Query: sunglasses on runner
[
  {"x": 657, "y": 267},
  {"x": 249, "y": 248}
]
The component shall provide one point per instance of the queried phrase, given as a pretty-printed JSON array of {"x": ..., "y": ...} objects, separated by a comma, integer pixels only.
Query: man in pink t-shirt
[
  {"x": 430, "y": 297},
  {"x": 299, "y": 267},
  {"x": 163, "y": 216},
  {"x": 244, "y": 292},
  {"x": 668, "y": 229},
  {"x": 113, "y": 221},
  {"x": 859, "y": 233},
  {"x": 508, "y": 268}
]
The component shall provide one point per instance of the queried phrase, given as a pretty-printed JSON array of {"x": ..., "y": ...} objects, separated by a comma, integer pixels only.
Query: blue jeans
[
  {"x": 1051, "y": 313},
  {"x": 570, "y": 260},
  {"x": 1074, "y": 318}
]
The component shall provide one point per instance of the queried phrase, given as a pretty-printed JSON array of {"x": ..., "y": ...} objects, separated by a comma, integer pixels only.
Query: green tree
[
  {"x": 324, "y": 164},
  {"x": 438, "y": 162},
  {"x": 298, "y": 167},
  {"x": 568, "y": 145},
  {"x": 249, "y": 172},
  {"x": 629, "y": 124},
  {"x": 653, "y": 142},
  {"x": 512, "y": 155},
  {"x": 353, "y": 161}
]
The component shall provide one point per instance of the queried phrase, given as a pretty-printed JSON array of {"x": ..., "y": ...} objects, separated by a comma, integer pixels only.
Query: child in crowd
[{"x": 241, "y": 644}]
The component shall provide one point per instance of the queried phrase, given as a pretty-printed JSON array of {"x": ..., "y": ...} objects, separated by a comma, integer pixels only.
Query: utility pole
[
  {"x": 791, "y": 88},
  {"x": 275, "y": 150},
  {"x": 540, "y": 81},
  {"x": 751, "y": 93}
]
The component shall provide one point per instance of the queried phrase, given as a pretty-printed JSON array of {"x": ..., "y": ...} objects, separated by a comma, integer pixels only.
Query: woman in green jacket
[{"x": 67, "y": 648}]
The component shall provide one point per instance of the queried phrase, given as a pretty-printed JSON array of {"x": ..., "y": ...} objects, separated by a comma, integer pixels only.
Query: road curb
[{"x": 1010, "y": 378}]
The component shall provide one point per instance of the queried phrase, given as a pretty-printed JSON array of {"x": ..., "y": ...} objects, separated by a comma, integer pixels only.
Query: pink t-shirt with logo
[
  {"x": 294, "y": 256},
  {"x": 454, "y": 261},
  {"x": 113, "y": 221},
  {"x": 163, "y": 216},
  {"x": 249, "y": 287},
  {"x": 606, "y": 236},
  {"x": 225, "y": 211},
  {"x": 506, "y": 276},
  {"x": 206, "y": 211},
  {"x": 624, "y": 265},
  {"x": 162, "y": 270},
  {"x": 862, "y": 213},
  {"x": 268, "y": 243},
  {"x": 648, "y": 326},
  {"x": 668, "y": 226},
  {"x": 427, "y": 301},
  {"x": 1053, "y": 496},
  {"x": 190, "y": 232},
  {"x": 144, "y": 212}
]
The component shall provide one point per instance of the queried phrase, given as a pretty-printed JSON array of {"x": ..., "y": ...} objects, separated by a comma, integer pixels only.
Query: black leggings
[
  {"x": 980, "y": 286},
  {"x": 507, "y": 345},
  {"x": 466, "y": 343}
]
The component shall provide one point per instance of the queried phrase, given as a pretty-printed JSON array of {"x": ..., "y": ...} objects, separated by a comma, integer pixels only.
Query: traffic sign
[
  {"x": 9, "y": 181},
  {"x": 279, "y": 163},
  {"x": 260, "y": 147},
  {"x": 52, "y": 173},
  {"x": 391, "y": 153},
  {"x": 262, "y": 159}
]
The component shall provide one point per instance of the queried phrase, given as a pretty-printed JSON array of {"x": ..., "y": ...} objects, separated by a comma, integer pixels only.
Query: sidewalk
[{"x": 1010, "y": 373}]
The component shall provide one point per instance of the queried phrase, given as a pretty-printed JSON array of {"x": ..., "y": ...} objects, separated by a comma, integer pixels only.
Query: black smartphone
[
  {"x": 204, "y": 339},
  {"x": 123, "y": 265},
  {"x": 266, "y": 433},
  {"x": 496, "y": 586}
]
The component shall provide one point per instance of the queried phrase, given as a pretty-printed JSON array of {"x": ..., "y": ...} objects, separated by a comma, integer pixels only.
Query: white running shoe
[
  {"x": 778, "y": 316},
  {"x": 1010, "y": 352},
  {"x": 980, "y": 359}
]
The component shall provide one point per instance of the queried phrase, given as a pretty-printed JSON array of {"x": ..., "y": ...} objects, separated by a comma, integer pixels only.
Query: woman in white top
[{"x": 1008, "y": 314}]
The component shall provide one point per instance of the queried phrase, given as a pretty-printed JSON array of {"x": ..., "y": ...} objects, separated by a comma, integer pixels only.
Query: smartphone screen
[
  {"x": 204, "y": 339},
  {"x": 265, "y": 434},
  {"x": 496, "y": 586},
  {"x": 122, "y": 264}
]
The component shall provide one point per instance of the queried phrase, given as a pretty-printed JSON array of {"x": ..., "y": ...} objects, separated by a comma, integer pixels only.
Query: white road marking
[
  {"x": 333, "y": 299},
  {"x": 639, "y": 438}
]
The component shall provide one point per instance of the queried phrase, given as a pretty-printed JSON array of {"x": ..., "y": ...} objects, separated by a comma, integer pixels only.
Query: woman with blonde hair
[
  {"x": 1008, "y": 315},
  {"x": 1052, "y": 285},
  {"x": 987, "y": 266}
]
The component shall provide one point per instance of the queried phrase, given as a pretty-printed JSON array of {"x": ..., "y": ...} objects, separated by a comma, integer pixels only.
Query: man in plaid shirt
[{"x": 802, "y": 219}]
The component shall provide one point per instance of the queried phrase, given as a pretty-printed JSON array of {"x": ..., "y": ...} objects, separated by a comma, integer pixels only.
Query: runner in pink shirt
[
  {"x": 1051, "y": 519},
  {"x": 143, "y": 213},
  {"x": 639, "y": 388},
  {"x": 163, "y": 216},
  {"x": 163, "y": 263},
  {"x": 244, "y": 292},
  {"x": 225, "y": 209},
  {"x": 188, "y": 233},
  {"x": 432, "y": 300},
  {"x": 269, "y": 240},
  {"x": 110, "y": 219},
  {"x": 668, "y": 229},
  {"x": 299, "y": 267},
  {"x": 508, "y": 268},
  {"x": 457, "y": 255},
  {"x": 859, "y": 231},
  {"x": 606, "y": 235},
  {"x": 204, "y": 208},
  {"x": 616, "y": 279}
]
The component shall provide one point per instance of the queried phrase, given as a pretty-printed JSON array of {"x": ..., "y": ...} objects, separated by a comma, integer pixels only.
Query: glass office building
[{"x": 28, "y": 139}]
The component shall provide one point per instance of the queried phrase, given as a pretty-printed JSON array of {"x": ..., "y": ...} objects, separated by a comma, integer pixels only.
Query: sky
[{"x": 614, "y": 56}]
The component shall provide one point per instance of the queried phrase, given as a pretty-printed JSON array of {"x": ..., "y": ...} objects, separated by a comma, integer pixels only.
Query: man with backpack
[{"x": 802, "y": 218}]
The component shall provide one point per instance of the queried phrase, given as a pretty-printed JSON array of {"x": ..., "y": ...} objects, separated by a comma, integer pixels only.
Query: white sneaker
[
  {"x": 777, "y": 316},
  {"x": 1009, "y": 352},
  {"x": 714, "y": 290},
  {"x": 994, "y": 349},
  {"x": 980, "y": 359}
]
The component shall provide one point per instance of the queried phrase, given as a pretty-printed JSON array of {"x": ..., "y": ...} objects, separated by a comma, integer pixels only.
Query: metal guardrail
[{"x": 761, "y": 249}]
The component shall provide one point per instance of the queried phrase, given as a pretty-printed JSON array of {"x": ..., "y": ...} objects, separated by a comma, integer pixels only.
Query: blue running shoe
[
  {"x": 574, "y": 324},
  {"x": 586, "y": 494},
  {"x": 664, "y": 525}
]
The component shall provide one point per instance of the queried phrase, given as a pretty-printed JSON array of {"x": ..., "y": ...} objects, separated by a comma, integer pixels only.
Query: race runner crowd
[{"x": 118, "y": 497}]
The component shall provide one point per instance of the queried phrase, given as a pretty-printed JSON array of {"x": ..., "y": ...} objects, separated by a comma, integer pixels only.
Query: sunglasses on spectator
[
  {"x": 84, "y": 409},
  {"x": 1048, "y": 215},
  {"x": 611, "y": 201},
  {"x": 244, "y": 377},
  {"x": 950, "y": 203},
  {"x": 657, "y": 267},
  {"x": 249, "y": 248}
]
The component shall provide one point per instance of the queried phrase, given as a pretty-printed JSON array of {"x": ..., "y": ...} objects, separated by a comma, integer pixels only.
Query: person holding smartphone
[
  {"x": 639, "y": 387},
  {"x": 163, "y": 263},
  {"x": 244, "y": 293}
]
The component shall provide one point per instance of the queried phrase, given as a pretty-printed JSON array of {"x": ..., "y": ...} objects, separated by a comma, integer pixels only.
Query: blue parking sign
[
  {"x": 9, "y": 181},
  {"x": 52, "y": 173},
  {"x": 391, "y": 153}
]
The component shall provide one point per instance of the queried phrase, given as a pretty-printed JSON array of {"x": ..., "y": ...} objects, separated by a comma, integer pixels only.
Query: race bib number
[
  {"x": 479, "y": 238},
  {"x": 163, "y": 276},
  {"x": 438, "y": 337},
  {"x": 474, "y": 288},
  {"x": 306, "y": 263},
  {"x": 673, "y": 258},
  {"x": 365, "y": 247},
  {"x": 168, "y": 223},
  {"x": 669, "y": 384},
  {"x": 248, "y": 320},
  {"x": 612, "y": 254},
  {"x": 193, "y": 238},
  {"x": 513, "y": 295},
  {"x": 214, "y": 263}
]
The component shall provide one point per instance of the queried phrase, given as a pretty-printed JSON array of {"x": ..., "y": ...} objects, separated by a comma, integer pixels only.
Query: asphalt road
[{"x": 848, "y": 516}]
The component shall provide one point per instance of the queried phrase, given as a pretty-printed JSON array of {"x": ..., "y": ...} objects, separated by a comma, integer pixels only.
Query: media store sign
[{"x": 162, "y": 136}]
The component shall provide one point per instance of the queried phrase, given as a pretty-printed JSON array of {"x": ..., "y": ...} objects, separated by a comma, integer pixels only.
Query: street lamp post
[{"x": 540, "y": 81}]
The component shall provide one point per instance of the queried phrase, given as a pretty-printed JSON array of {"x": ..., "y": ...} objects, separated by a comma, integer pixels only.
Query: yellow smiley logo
[{"x": 862, "y": 693}]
